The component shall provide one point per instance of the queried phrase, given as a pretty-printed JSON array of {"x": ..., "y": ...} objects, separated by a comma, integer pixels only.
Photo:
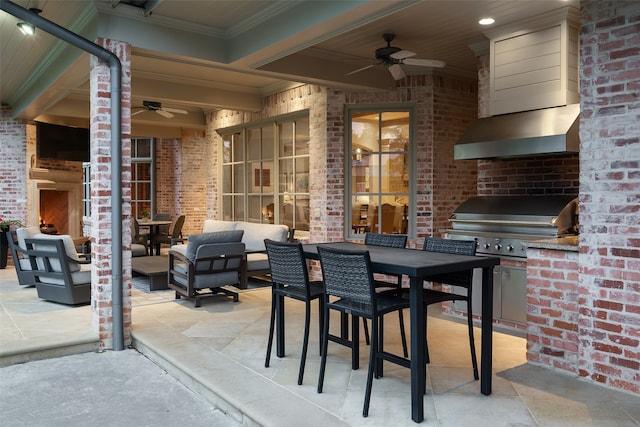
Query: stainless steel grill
[{"x": 501, "y": 226}]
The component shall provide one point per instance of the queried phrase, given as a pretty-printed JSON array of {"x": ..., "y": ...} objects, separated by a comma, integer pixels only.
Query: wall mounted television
[{"x": 56, "y": 142}]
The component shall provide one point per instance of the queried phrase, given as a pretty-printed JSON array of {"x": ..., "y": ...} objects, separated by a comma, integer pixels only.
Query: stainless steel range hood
[{"x": 547, "y": 131}]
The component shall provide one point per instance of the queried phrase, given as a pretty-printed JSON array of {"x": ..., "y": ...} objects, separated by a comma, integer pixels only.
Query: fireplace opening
[{"x": 54, "y": 211}]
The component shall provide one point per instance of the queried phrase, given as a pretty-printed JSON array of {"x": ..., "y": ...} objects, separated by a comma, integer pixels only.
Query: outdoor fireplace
[{"x": 56, "y": 201}]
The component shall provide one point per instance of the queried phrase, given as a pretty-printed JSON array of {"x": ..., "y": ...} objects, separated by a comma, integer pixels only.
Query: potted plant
[
  {"x": 5, "y": 226},
  {"x": 145, "y": 216}
]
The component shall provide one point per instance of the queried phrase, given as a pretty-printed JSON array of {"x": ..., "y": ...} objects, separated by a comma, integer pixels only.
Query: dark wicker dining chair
[
  {"x": 393, "y": 241},
  {"x": 350, "y": 288},
  {"x": 289, "y": 278},
  {"x": 461, "y": 279}
]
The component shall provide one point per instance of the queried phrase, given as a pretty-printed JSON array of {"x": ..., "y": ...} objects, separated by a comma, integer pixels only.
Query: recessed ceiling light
[{"x": 486, "y": 21}]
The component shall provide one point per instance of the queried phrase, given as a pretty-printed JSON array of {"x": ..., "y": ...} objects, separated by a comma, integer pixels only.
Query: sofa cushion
[
  {"x": 196, "y": 240},
  {"x": 214, "y": 225},
  {"x": 254, "y": 234}
]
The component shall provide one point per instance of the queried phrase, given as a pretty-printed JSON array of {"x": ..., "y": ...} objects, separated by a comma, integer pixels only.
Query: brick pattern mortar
[{"x": 609, "y": 258}]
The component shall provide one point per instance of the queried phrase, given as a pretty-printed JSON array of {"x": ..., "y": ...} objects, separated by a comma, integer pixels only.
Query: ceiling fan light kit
[{"x": 393, "y": 57}]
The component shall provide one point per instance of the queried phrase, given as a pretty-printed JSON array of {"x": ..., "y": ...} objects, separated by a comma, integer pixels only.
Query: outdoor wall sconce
[{"x": 25, "y": 27}]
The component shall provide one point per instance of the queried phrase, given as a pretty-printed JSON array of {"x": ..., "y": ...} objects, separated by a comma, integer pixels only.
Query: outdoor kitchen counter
[{"x": 567, "y": 243}]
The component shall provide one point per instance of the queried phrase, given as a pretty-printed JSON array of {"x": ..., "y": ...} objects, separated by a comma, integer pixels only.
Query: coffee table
[{"x": 155, "y": 267}]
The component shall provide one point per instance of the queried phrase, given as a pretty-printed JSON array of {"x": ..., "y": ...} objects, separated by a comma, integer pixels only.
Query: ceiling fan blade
[
  {"x": 424, "y": 62},
  {"x": 402, "y": 54},
  {"x": 164, "y": 113},
  {"x": 135, "y": 113},
  {"x": 359, "y": 69},
  {"x": 175, "y": 110},
  {"x": 397, "y": 72}
]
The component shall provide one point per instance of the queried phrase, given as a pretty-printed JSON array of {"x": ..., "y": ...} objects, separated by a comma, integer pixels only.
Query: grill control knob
[
  {"x": 486, "y": 246},
  {"x": 498, "y": 246},
  {"x": 509, "y": 248}
]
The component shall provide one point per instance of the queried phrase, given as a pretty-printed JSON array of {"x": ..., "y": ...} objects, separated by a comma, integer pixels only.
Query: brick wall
[
  {"x": 543, "y": 175},
  {"x": 182, "y": 167},
  {"x": 609, "y": 259},
  {"x": 552, "y": 308},
  {"x": 454, "y": 109},
  {"x": 13, "y": 168}
]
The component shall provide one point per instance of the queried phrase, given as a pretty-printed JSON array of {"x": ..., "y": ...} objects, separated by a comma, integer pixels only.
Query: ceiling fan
[
  {"x": 393, "y": 57},
  {"x": 158, "y": 108}
]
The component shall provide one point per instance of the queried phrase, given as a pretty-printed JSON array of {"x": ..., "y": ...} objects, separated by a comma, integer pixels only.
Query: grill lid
[{"x": 541, "y": 215}]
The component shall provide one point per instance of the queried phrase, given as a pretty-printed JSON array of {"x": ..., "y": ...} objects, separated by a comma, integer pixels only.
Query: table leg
[
  {"x": 418, "y": 337},
  {"x": 486, "y": 354},
  {"x": 280, "y": 326}
]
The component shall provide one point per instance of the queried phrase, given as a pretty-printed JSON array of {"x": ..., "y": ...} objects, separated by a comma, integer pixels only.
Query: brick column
[
  {"x": 609, "y": 298},
  {"x": 101, "y": 200}
]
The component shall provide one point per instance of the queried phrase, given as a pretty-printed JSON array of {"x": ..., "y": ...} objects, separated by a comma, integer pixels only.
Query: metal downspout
[{"x": 116, "y": 150}]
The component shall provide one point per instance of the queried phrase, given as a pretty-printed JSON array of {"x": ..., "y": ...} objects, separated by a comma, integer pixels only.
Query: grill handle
[{"x": 506, "y": 222}]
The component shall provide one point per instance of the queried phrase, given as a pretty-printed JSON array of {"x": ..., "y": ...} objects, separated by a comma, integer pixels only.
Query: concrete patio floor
[{"x": 217, "y": 352}]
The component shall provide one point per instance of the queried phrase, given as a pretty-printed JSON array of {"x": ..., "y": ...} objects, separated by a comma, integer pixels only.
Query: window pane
[
  {"x": 302, "y": 213},
  {"x": 302, "y": 174},
  {"x": 286, "y": 176},
  {"x": 238, "y": 178},
  {"x": 253, "y": 144},
  {"x": 227, "y": 146},
  {"x": 302, "y": 136},
  {"x": 286, "y": 210},
  {"x": 395, "y": 131},
  {"x": 256, "y": 210},
  {"x": 227, "y": 205},
  {"x": 286, "y": 139},
  {"x": 238, "y": 147},
  {"x": 238, "y": 208},
  {"x": 143, "y": 148},
  {"x": 394, "y": 174},
  {"x": 361, "y": 173},
  {"x": 268, "y": 141},
  {"x": 226, "y": 178}
]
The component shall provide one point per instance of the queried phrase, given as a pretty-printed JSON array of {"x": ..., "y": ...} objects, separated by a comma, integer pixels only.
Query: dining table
[
  {"x": 153, "y": 225},
  {"x": 419, "y": 265}
]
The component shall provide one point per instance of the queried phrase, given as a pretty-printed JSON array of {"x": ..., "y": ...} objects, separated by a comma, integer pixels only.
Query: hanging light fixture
[{"x": 27, "y": 28}]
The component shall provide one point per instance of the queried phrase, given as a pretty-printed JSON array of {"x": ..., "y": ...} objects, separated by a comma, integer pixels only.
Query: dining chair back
[
  {"x": 461, "y": 279},
  {"x": 392, "y": 241},
  {"x": 349, "y": 288},
  {"x": 290, "y": 278},
  {"x": 389, "y": 240}
]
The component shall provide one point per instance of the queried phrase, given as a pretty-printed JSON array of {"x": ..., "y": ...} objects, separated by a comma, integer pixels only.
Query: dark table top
[{"x": 411, "y": 262}]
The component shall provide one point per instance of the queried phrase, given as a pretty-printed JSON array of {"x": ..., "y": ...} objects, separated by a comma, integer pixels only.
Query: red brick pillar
[
  {"x": 101, "y": 199},
  {"x": 609, "y": 298}
]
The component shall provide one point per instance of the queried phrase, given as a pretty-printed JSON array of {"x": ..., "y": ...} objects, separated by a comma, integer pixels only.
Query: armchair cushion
[
  {"x": 26, "y": 233},
  {"x": 197, "y": 240},
  {"x": 70, "y": 251}
]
